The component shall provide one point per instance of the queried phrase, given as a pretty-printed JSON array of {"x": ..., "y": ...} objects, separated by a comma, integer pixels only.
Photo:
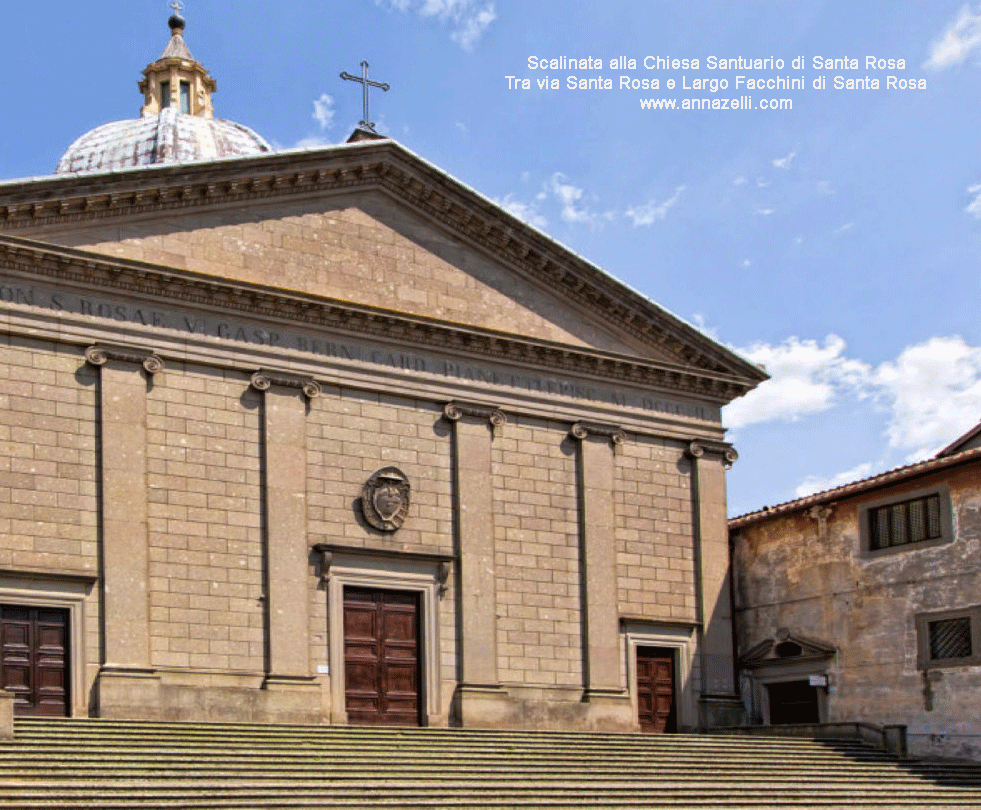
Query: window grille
[
  {"x": 164, "y": 94},
  {"x": 910, "y": 521},
  {"x": 185, "y": 89},
  {"x": 950, "y": 638}
]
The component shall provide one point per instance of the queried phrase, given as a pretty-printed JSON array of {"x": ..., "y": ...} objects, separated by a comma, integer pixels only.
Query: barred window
[
  {"x": 949, "y": 639},
  {"x": 906, "y": 522}
]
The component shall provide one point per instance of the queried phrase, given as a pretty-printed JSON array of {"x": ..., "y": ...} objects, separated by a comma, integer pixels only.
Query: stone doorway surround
[
  {"x": 68, "y": 593},
  {"x": 787, "y": 657},
  {"x": 680, "y": 639},
  {"x": 423, "y": 574}
]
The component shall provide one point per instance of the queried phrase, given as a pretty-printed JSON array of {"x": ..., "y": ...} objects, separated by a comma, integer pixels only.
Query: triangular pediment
[
  {"x": 785, "y": 648},
  {"x": 371, "y": 224}
]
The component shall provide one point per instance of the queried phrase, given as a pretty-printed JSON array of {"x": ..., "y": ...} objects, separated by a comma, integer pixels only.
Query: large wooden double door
[
  {"x": 381, "y": 657},
  {"x": 656, "y": 704},
  {"x": 34, "y": 661}
]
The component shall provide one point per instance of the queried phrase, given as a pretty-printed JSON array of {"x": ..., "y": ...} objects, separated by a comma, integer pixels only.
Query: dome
[
  {"x": 176, "y": 124},
  {"x": 170, "y": 136}
]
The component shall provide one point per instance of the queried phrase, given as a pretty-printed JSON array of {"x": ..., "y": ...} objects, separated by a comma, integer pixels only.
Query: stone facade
[
  {"x": 828, "y": 613},
  {"x": 203, "y": 365}
]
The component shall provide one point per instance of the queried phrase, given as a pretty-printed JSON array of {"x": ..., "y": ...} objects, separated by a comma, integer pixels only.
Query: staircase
[{"x": 113, "y": 764}]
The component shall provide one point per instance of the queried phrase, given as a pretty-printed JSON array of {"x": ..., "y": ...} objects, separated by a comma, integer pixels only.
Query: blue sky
[{"x": 837, "y": 241}]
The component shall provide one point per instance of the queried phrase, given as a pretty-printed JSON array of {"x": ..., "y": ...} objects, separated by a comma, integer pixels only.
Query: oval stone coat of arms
[{"x": 385, "y": 499}]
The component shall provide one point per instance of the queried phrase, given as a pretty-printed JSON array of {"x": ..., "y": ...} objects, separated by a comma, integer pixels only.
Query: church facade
[{"x": 326, "y": 436}]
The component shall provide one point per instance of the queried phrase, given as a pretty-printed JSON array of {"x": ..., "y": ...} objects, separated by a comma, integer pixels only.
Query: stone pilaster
[
  {"x": 479, "y": 697},
  {"x": 127, "y": 682},
  {"x": 597, "y": 445},
  {"x": 287, "y": 557},
  {"x": 719, "y": 700}
]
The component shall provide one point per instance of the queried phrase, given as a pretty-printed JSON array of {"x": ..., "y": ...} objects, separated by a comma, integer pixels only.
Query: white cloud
[
  {"x": 817, "y": 483},
  {"x": 844, "y": 228},
  {"x": 461, "y": 126},
  {"x": 312, "y": 142},
  {"x": 765, "y": 212},
  {"x": 747, "y": 263},
  {"x": 527, "y": 212},
  {"x": 974, "y": 207},
  {"x": 805, "y": 378},
  {"x": 955, "y": 45},
  {"x": 468, "y": 19},
  {"x": 323, "y": 111},
  {"x": 784, "y": 162},
  {"x": 739, "y": 181},
  {"x": 572, "y": 201},
  {"x": 933, "y": 391},
  {"x": 654, "y": 211}
]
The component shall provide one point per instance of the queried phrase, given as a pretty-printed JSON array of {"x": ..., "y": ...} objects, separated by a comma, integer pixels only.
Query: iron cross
[
  {"x": 177, "y": 6},
  {"x": 365, "y": 83}
]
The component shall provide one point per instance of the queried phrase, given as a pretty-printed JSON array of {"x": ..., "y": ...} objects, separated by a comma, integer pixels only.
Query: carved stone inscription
[{"x": 70, "y": 303}]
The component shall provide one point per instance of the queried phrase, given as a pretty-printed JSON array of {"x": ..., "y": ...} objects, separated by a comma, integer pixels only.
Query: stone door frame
[
  {"x": 69, "y": 594},
  {"x": 420, "y": 575},
  {"x": 680, "y": 638}
]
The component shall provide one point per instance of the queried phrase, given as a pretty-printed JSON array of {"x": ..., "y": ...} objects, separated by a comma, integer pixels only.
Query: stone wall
[{"x": 811, "y": 576}]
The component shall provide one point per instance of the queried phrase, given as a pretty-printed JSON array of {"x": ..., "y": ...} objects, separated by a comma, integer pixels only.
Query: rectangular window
[
  {"x": 185, "y": 97},
  {"x": 907, "y": 522},
  {"x": 949, "y": 639},
  {"x": 911, "y": 520},
  {"x": 164, "y": 94}
]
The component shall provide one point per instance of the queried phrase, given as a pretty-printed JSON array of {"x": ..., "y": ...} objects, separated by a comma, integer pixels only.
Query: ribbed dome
[
  {"x": 177, "y": 123},
  {"x": 169, "y": 136}
]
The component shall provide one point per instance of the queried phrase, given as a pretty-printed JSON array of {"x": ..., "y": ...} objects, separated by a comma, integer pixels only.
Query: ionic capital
[
  {"x": 455, "y": 411},
  {"x": 264, "y": 379},
  {"x": 582, "y": 430},
  {"x": 100, "y": 354}
]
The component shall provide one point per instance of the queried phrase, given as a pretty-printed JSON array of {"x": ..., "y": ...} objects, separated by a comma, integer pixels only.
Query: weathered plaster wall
[{"x": 791, "y": 573}]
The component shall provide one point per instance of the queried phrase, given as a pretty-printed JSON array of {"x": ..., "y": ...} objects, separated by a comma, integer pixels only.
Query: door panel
[
  {"x": 656, "y": 704},
  {"x": 34, "y": 661},
  {"x": 381, "y": 656}
]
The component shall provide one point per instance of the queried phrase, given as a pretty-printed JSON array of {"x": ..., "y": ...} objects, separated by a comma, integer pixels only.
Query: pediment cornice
[
  {"x": 94, "y": 271},
  {"x": 51, "y": 203}
]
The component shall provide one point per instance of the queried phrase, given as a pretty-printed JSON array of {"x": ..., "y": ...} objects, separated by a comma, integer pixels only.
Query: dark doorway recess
[
  {"x": 381, "y": 657},
  {"x": 34, "y": 661},
  {"x": 793, "y": 702},
  {"x": 656, "y": 703}
]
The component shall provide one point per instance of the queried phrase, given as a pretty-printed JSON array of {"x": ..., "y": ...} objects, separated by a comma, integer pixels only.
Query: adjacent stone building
[
  {"x": 326, "y": 436},
  {"x": 863, "y": 603}
]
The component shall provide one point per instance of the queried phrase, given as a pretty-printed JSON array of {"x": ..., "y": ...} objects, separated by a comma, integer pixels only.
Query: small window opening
[
  {"x": 164, "y": 94},
  {"x": 185, "y": 97},
  {"x": 950, "y": 638},
  {"x": 788, "y": 649}
]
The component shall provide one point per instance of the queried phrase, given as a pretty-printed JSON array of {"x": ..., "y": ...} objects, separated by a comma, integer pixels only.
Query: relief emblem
[{"x": 385, "y": 499}]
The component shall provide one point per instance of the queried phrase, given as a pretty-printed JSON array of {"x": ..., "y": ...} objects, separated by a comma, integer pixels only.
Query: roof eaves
[{"x": 887, "y": 478}]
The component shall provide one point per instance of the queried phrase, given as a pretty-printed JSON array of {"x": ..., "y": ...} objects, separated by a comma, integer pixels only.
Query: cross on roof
[
  {"x": 177, "y": 6},
  {"x": 365, "y": 83}
]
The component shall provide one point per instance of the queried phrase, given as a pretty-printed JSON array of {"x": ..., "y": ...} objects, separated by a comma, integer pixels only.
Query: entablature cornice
[
  {"x": 382, "y": 165},
  {"x": 151, "y": 282}
]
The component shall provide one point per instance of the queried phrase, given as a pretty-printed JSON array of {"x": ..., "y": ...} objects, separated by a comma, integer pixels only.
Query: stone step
[{"x": 113, "y": 764}]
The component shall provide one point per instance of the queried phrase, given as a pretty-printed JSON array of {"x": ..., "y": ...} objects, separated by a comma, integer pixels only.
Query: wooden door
[
  {"x": 655, "y": 690},
  {"x": 381, "y": 657},
  {"x": 34, "y": 661}
]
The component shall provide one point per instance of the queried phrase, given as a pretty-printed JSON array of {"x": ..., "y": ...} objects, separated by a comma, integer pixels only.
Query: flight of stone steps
[{"x": 114, "y": 764}]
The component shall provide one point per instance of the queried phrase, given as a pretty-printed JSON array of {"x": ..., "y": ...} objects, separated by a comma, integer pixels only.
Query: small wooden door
[
  {"x": 381, "y": 657},
  {"x": 34, "y": 659},
  {"x": 655, "y": 690},
  {"x": 793, "y": 702}
]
